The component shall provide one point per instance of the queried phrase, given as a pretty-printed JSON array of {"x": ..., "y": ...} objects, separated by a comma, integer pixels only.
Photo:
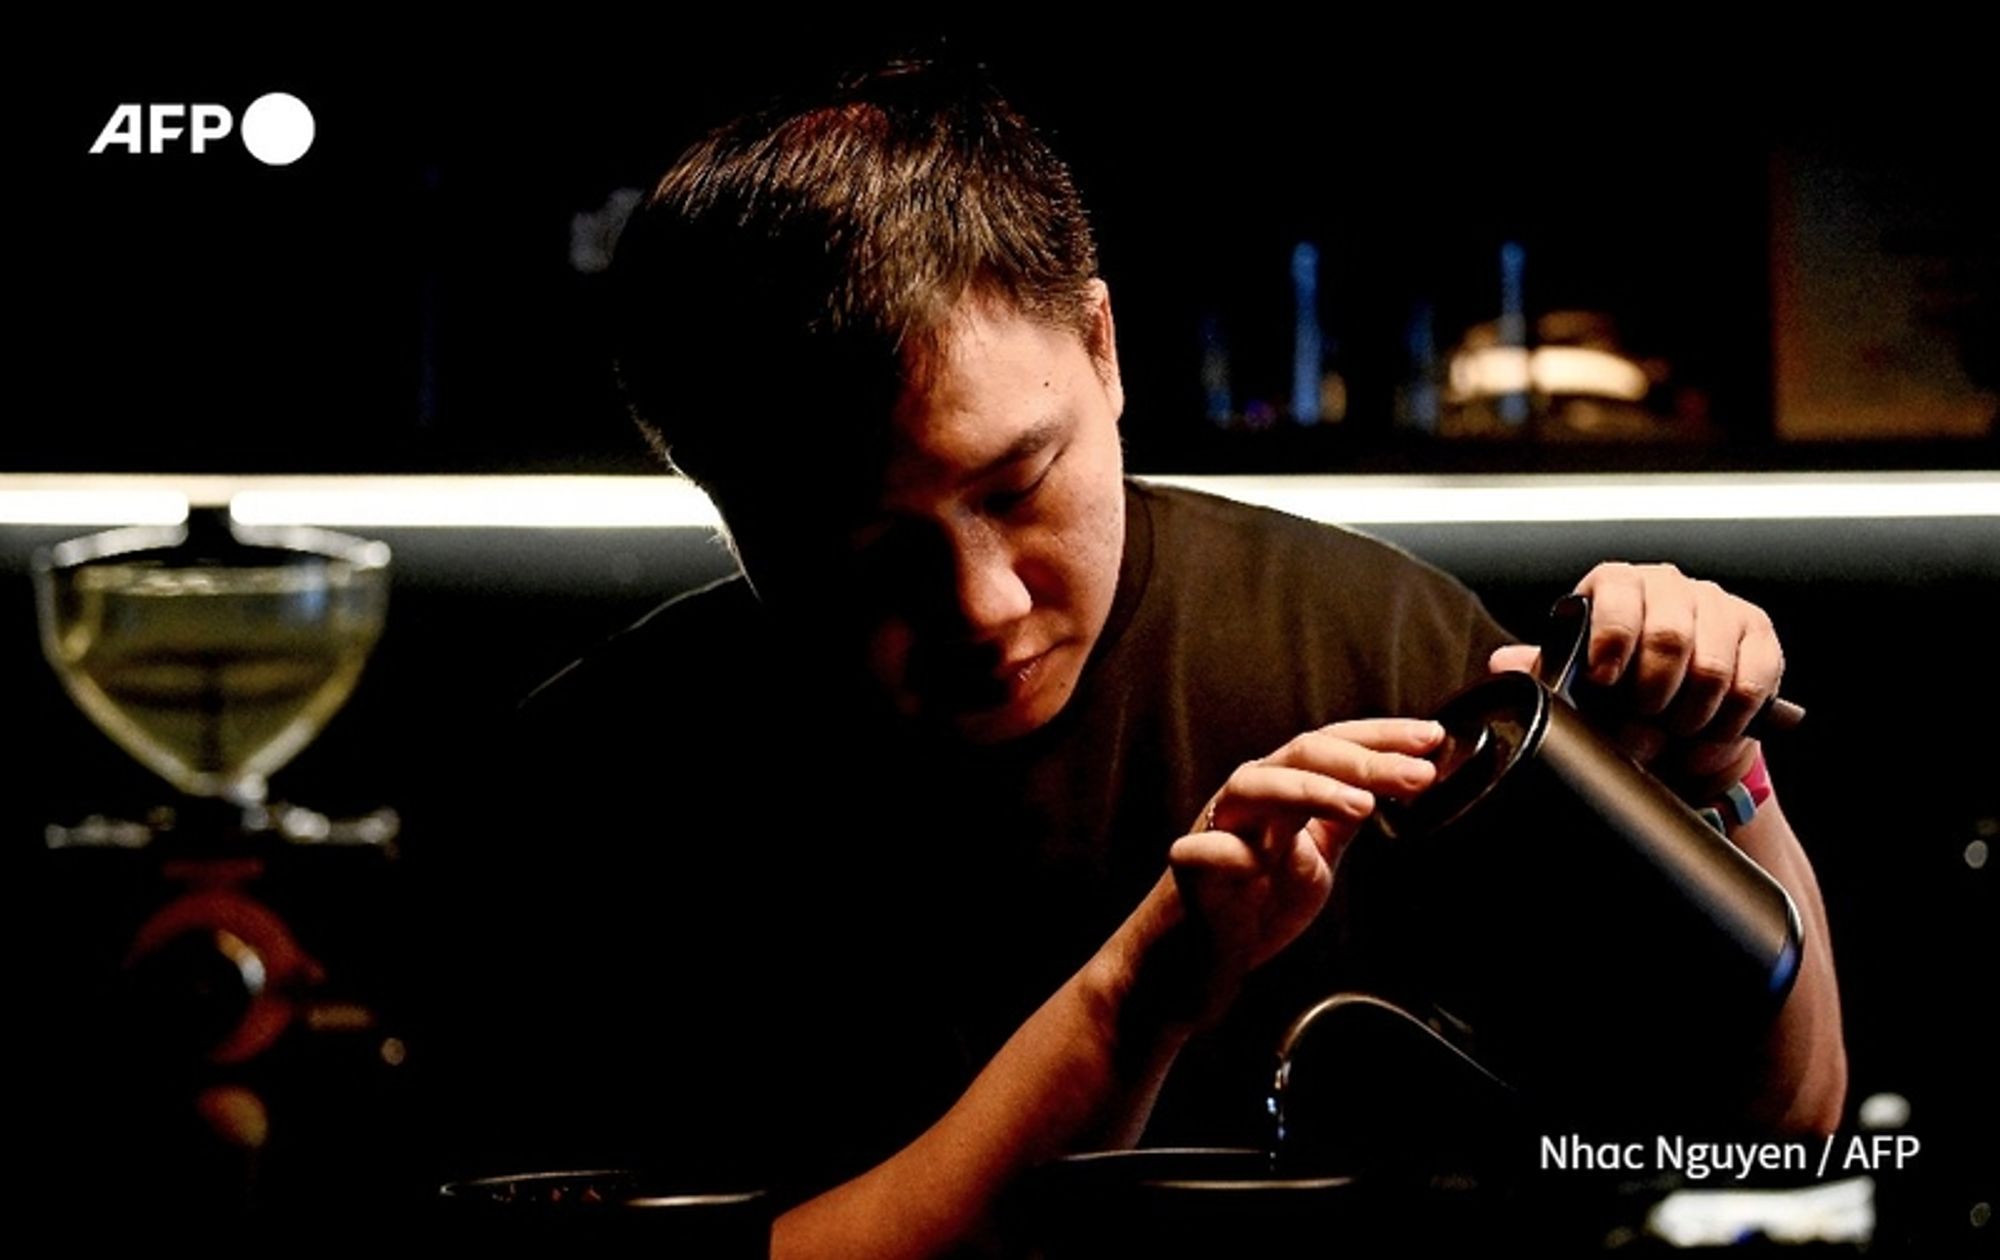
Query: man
[{"x": 996, "y": 786}]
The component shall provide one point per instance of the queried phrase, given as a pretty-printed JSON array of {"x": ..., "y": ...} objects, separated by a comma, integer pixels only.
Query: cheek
[
  {"x": 1100, "y": 547},
  {"x": 1076, "y": 577}
]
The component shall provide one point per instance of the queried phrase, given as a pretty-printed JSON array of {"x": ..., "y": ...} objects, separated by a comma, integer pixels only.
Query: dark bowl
[
  {"x": 606, "y": 1211},
  {"x": 1224, "y": 1202}
]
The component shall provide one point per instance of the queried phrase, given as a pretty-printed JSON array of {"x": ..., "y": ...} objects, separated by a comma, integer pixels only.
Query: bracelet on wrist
[{"x": 1739, "y": 804}]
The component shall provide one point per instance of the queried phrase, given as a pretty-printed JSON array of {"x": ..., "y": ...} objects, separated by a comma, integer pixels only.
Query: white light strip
[
  {"x": 1653, "y": 497},
  {"x": 85, "y": 506},
  {"x": 662, "y": 502}
]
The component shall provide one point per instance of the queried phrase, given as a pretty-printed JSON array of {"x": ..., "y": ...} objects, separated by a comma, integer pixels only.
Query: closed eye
[{"x": 1002, "y": 502}]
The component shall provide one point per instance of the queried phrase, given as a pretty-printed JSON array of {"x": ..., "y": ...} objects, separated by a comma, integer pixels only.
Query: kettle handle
[{"x": 1564, "y": 638}]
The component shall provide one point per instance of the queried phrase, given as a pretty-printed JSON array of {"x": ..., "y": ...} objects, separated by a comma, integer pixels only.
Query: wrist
[
  {"x": 1157, "y": 980},
  {"x": 1704, "y": 775}
]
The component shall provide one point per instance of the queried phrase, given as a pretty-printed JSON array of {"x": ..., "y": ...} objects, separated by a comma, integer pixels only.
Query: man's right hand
[{"x": 1257, "y": 867}]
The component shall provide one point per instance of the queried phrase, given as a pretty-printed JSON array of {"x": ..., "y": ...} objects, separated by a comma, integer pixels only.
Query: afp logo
[{"x": 277, "y": 129}]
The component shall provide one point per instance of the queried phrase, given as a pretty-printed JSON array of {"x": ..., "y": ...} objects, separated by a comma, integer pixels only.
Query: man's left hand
[{"x": 1674, "y": 671}]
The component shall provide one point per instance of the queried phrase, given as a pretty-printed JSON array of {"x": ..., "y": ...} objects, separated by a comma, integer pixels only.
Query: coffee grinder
[{"x": 216, "y": 1042}]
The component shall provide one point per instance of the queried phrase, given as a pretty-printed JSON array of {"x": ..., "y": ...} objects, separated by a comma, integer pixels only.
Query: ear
[{"x": 1104, "y": 344}]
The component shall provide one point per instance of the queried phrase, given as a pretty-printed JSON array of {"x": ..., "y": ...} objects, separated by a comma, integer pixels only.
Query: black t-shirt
[{"x": 752, "y": 926}]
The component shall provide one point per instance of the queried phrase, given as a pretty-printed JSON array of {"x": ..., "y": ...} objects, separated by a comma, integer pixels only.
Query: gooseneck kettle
[{"x": 1600, "y": 944}]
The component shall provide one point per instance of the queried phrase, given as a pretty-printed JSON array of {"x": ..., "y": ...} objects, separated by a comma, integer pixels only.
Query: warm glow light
[
  {"x": 1496, "y": 370},
  {"x": 1489, "y": 373},
  {"x": 1576, "y": 370}
]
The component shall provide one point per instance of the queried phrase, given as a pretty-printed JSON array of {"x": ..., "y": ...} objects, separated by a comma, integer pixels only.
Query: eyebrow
[
  {"x": 1045, "y": 433},
  {"x": 1052, "y": 428}
]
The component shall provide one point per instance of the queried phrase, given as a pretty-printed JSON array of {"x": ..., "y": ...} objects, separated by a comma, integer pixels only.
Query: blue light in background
[
  {"x": 1307, "y": 343},
  {"x": 1513, "y": 329},
  {"x": 1220, "y": 406},
  {"x": 1420, "y": 393}
]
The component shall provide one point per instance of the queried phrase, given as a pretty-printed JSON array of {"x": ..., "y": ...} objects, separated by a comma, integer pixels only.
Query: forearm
[
  {"x": 1085, "y": 1068},
  {"x": 1805, "y": 1082},
  {"x": 1082, "y": 1071}
]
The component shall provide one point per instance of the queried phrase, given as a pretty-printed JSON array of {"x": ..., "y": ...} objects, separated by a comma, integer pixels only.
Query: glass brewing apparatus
[{"x": 212, "y": 652}]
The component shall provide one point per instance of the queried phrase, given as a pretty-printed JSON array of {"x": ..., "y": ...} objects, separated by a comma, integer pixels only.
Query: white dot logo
[{"x": 277, "y": 129}]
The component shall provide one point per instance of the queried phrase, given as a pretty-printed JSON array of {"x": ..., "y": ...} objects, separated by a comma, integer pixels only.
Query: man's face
[{"x": 975, "y": 580}]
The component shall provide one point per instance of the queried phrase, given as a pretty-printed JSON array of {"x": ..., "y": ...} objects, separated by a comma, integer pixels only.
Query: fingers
[
  {"x": 1519, "y": 658},
  {"x": 1213, "y": 850},
  {"x": 1666, "y": 639},
  {"x": 1760, "y": 668},
  {"x": 1263, "y": 803},
  {"x": 1250, "y": 905},
  {"x": 1370, "y": 746},
  {"x": 1712, "y": 656},
  {"x": 1642, "y": 630},
  {"x": 1259, "y": 863},
  {"x": 1223, "y": 854},
  {"x": 1617, "y": 615},
  {"x": 1692, "y": 662},
  {"x": 1330, "y": 776}
]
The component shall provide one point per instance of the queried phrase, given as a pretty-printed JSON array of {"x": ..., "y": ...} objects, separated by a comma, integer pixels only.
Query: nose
[{"x": 991, "y": 594}]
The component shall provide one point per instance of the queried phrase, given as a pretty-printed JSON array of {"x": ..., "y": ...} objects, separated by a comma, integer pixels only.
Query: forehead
[
  {"x": 995, "y": 387},
  {"x": 975, "y": 398}
]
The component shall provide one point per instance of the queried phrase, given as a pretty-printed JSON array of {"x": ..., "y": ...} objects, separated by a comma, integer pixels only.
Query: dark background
[{"x": 403, "y": 300}]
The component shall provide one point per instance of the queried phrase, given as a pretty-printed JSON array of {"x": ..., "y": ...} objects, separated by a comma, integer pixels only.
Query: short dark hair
[{"x": 784, "y": 278}]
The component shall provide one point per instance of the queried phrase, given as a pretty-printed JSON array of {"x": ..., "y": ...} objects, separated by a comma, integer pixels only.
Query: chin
[
  {"x": 1033, "y": 704},
  {"x": 1013, "y": 721},
  {"x": 996, "y": 728}
]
